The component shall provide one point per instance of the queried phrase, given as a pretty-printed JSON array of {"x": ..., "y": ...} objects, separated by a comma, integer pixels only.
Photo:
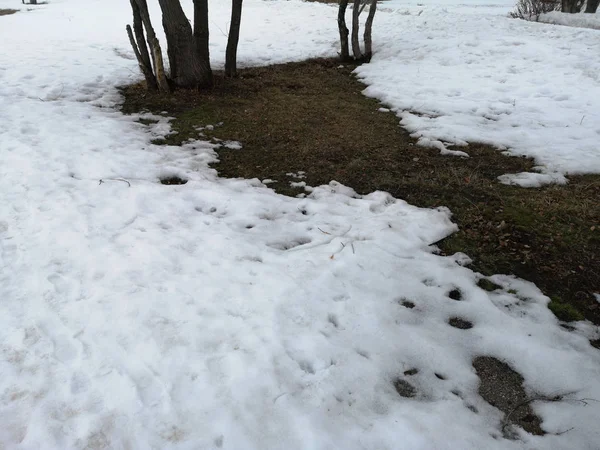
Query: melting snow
[{"x": 218, "y": 314}]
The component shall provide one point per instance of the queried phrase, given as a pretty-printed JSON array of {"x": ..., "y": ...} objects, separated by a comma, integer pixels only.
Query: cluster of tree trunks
[
  {"x": 592, "y": 6},
  {"x": 357, "y": 8},
  {"x": 575, "y": 6},
  {"x": 187, "y": 47}
]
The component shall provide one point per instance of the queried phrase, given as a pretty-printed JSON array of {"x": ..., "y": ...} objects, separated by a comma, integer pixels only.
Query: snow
[
  {"x": 233, "y": 145},
  {"x": 458, "y": 72},
  {"x": 581, "y": 20},
  {"x": 216, "y": 313}
]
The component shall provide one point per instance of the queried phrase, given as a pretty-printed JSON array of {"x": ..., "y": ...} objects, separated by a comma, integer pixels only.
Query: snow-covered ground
[
  {"x": 581, "y": 20},
  {"x": 467, "y": 72},
  {"x": 217, "y": 314}
]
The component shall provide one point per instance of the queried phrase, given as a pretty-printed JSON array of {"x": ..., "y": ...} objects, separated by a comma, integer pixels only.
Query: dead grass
[
  {"x": 312, "y": 117},
  {"x": 6, "y": 12}
]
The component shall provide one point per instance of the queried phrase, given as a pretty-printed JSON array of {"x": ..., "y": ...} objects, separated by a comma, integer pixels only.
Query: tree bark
[
  {"x": 344, "y": 51},
  {"x": 368, "y": 31},
  {"x": 201, "y": 41},
  {"x": 570, "y": 6},
  {"x": 146, "y": 69},
  {"x": 592, "y": 6},
  {"x": 233, "y": 39},
  {"x": 138, "y": 28},
  {"x": 355, "y": 29},
  {"x": 139, "y": 47},
  {"x": 184, "y": 62},
  {"x": 155, "y": 50}
]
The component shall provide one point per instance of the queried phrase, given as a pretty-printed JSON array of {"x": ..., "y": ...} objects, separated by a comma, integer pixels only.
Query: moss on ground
[{"x": 564, "y": 311}]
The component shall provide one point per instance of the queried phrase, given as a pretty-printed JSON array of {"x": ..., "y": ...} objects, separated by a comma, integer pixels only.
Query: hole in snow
[
  {"x": 407, "y": 303},
  {"x": 455, "y": 294},
  {"x": 332, "y": 318},
  {"x": 462, "y": 324},
  {"x": 287, "y": 245},
  {"x": 307, "y": 367},
  {"x": 362, "y": 353},
  {"x": 404, "y": 388},
  {"x": 172, "y": 181},
  {"x": 440, "y": 376},
  {"x": 503, "y": 387},
  {"x": 411, "y": 372},
  {"x": 340, "y": 298}
]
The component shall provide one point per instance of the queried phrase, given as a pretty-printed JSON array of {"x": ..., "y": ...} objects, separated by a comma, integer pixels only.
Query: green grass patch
[
  {"x": 488, "y": 285},
  {"x": 564, "y": 311}
]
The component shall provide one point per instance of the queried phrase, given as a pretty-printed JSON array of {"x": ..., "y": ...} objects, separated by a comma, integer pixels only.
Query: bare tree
[
  {"x": 592, "y": 6},
  {"x": 368, "y": 31},
  {"x": 344, "y": 51},
  {"x": 358, "y": 7},
  {"x": 533, "y": 9},
  {"x": 233, "y": 38},
  {"x": 201, "y": 41},
  {"x": 571, "y": 6},
  {"x": 355, "y": 29},
  {"x": 187, "y": 49},
  {"x": 140, "y": 49},
  {"x": 187, "y": 62},
  {"x": 153, "y": 72}
]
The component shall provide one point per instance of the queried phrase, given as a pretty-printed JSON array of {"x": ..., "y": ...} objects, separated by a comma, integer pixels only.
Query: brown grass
[
  {"x": 6, "y": 12},
  {"x": 312, "y": 117}
]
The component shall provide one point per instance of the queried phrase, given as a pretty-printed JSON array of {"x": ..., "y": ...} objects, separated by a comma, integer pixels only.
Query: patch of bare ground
[{"x": 312, "y": 117}]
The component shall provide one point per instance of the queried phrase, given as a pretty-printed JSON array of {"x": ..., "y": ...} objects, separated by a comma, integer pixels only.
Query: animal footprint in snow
[
  {"x": 404, "y": 388},
  {"x": 333, "y": 320},
  {"x": 460, "y": 323},
  {"x": 289, "y": 244},
  {"x": 455, "y": 294}
]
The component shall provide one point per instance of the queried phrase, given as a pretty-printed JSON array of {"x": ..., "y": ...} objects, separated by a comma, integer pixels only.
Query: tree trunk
[
  {"x": 368, "y": 31},
  {"x": 140, "y": 49},
  {"x": 184, "y": 62},
  {"x": 156, "y": 51},
  {"x": 201, "y": 41},
  {"x": 592, "y": 6},
  {"x": 355, "y": 29},
  {"x": 345, "y": 51},
  {"x": 146, "y": 69},
  {"x": 233, "y": 39},
  {"x": 138, "y": 28},
  {"x": 570, "y": 6}
]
